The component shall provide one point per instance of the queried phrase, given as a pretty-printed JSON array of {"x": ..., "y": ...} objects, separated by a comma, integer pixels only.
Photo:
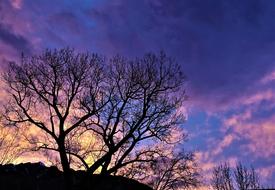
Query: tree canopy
[{"x": 103, "y": 114}]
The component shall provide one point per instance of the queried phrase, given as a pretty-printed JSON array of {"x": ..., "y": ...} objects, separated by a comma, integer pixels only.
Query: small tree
[
  {"x": 242, "y": 179},
  {"x": 174, "y": 172},
  {"x": 167, "y": 168},
  {"x": 222, "y": 178},
  {"x": 10, "y": 149},
  {"x": 246, "y": 178}
]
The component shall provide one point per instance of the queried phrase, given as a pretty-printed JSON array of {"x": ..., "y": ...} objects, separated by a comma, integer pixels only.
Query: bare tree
[
  {"x": 246, "y": 178},
  {"x": 55, "y": 92},
  {"x": 222, "y": 178},
  {"x": 243, "y": 178},
  {"x": 175, "y": 172},
  {"x": 10, "y": 148},
  {"x": 168, "y": 167},
  {"x": 254, "y": 179},
  {"x": 146, "y": 93},
  {"x": 121, "y": 105}
]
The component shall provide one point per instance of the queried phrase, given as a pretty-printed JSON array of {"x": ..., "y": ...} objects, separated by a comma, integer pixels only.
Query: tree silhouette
[
  {"x": 222, "y": 178},
  {"x": 55, "y": 92},
  {"x": 174, "y": 172},
  {"x": 10, "y": 148},
  {"x": 142, "y": 107},
  {"x": 243, "y": 178},
  {"x": 246, "y": 178},
  {"x": 169, "y": 169},
  {"x": 123, "y": 106}
]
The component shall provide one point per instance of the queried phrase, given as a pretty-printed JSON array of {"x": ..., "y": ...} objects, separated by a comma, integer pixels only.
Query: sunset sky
[{"x": 226, "y": 48}]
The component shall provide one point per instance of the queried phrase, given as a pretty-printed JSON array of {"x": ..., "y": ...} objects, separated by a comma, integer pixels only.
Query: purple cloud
[{"x": 18, "y": 42}]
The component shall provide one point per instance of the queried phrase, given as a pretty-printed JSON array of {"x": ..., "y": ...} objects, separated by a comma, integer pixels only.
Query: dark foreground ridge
[{"x": 36, "y": 176}]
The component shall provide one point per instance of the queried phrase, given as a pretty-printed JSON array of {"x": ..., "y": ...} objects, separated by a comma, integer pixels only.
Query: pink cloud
[
  {"x": 267, "y": 95},
  {"x": 260, "y": 133},
  {"x": 206, "y": 164},
  {"x": 268, "y": 78},
  {"x": 220, "y": 146},
  {"x": 249, "y": 121},
  {"x": 17, "y": 4},
  {"x": 257, "y": 130},
  {"x": 236, "y": 119},
  {"x": 261, "y": 137},
  {"x": 266, "y": 172}
]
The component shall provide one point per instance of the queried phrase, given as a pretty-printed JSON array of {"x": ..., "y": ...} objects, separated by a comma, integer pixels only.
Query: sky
[{"x": 226, "y": 49}]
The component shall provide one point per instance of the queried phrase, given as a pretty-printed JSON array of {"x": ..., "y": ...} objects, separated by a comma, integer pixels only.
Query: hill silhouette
[{"x": 36, "y": 176}]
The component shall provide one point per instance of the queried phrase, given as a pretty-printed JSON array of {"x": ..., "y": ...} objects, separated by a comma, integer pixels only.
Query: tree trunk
[
  {"x": 65, "y": 164},
  {"x": 104, "y": 170}
]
